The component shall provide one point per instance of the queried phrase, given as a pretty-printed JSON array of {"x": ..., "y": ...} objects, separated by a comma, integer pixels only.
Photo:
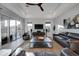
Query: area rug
[{"x": 44, "y": 54}]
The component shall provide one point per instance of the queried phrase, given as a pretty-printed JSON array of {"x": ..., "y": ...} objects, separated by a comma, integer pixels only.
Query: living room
[{"x": 27, "y": 29}]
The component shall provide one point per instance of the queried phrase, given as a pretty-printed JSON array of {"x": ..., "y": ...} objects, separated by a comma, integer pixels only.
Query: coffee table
[{"x": 46, "y": 41}]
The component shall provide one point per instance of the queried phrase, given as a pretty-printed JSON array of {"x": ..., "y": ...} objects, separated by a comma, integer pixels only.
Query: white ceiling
[{"x": 51, "y": 10}]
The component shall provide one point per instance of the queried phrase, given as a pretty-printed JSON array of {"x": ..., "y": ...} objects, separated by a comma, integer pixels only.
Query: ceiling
[{"x": 51, "y": 10}]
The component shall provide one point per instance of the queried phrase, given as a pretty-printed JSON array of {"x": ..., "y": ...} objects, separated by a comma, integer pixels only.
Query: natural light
[
  {"x": 29, "y": 24},
  {"x": 60, "y": 27},
  {"x": 12, "y": 23},
  {"x": 47, "y": 24}
]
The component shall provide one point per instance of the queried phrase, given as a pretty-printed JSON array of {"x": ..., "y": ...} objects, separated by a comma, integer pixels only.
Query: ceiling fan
[{"x": 34, "y": 4}]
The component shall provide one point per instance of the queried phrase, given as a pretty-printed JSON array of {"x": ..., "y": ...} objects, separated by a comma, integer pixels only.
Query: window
[
  {"x": 6, "y": 23},
  {"x": 19, "y": 28},
  {"x": 48, "y": 26},
  {"x": 60, "y": 27},
  {"x": 29, "y": 26},
  {"x": 12, "y": 23},
  {"x": 0, "y": 31},
  {"x": 11, "y": 29},
  {"x": 5, "y": 29}
]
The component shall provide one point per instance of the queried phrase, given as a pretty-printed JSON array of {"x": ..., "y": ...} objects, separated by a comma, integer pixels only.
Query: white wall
[
  {"x": 39, "y": 21},
  {"x": 69, "y": 14},
  {"x": 34, "y": 21}
]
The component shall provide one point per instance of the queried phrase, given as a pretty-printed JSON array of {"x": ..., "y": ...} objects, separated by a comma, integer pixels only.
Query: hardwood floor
[
  {"x": 55, "y": 49},
  {"x": 25, "y": 46},
  {"x": 13, "y": 45}
]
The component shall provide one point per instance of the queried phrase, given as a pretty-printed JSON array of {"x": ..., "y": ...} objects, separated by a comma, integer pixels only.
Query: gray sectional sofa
[
  {"x": 68, "y": 52},
  {"x": 64, "y": 38}
]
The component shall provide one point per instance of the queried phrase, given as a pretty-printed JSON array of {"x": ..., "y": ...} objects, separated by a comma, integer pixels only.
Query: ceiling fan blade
[
  {"x": 41, "y": 8},
  {"x": 39, "y": 4},
  {"x": 31, "y": 4}
]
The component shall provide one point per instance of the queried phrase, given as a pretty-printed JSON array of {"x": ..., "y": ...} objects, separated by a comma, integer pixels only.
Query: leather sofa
[
  {"x": 63, "y": 42},
  {"x": 68, "y": 52},
  {"x": 26, "y": 36},
  {"x": 63, "y": 38}
]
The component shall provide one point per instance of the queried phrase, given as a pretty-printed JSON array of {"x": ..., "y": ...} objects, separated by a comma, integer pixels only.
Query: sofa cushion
[
  {"x": 62, "y": 41},
  {"x": 73, "y": 35},
  {"x": 64, "y": 37}
]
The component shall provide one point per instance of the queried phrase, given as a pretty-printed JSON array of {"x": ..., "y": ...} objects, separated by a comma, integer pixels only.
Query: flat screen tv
[{"x": 38, "y": 26}]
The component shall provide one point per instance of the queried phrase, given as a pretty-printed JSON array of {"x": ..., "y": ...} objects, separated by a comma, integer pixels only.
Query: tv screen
[{"x": 38, "y": 26}]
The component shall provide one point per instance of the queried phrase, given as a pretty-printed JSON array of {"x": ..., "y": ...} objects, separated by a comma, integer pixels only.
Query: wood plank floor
[
  {"x": 13, "y": 45},
  {"x": 56, "y": 48},
  {"x": 25, "y": 45}
]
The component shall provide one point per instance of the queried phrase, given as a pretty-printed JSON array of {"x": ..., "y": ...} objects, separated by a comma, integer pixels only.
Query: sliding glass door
[
  {"x": 19, "y": 28},
  {"x": 11, "y": 29},
  {"x": 30, "y": 27},
  {"x": 0, "y": 31},
  {"x": 4, "y": 29},
  {"x": 48, "y": 29}
]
